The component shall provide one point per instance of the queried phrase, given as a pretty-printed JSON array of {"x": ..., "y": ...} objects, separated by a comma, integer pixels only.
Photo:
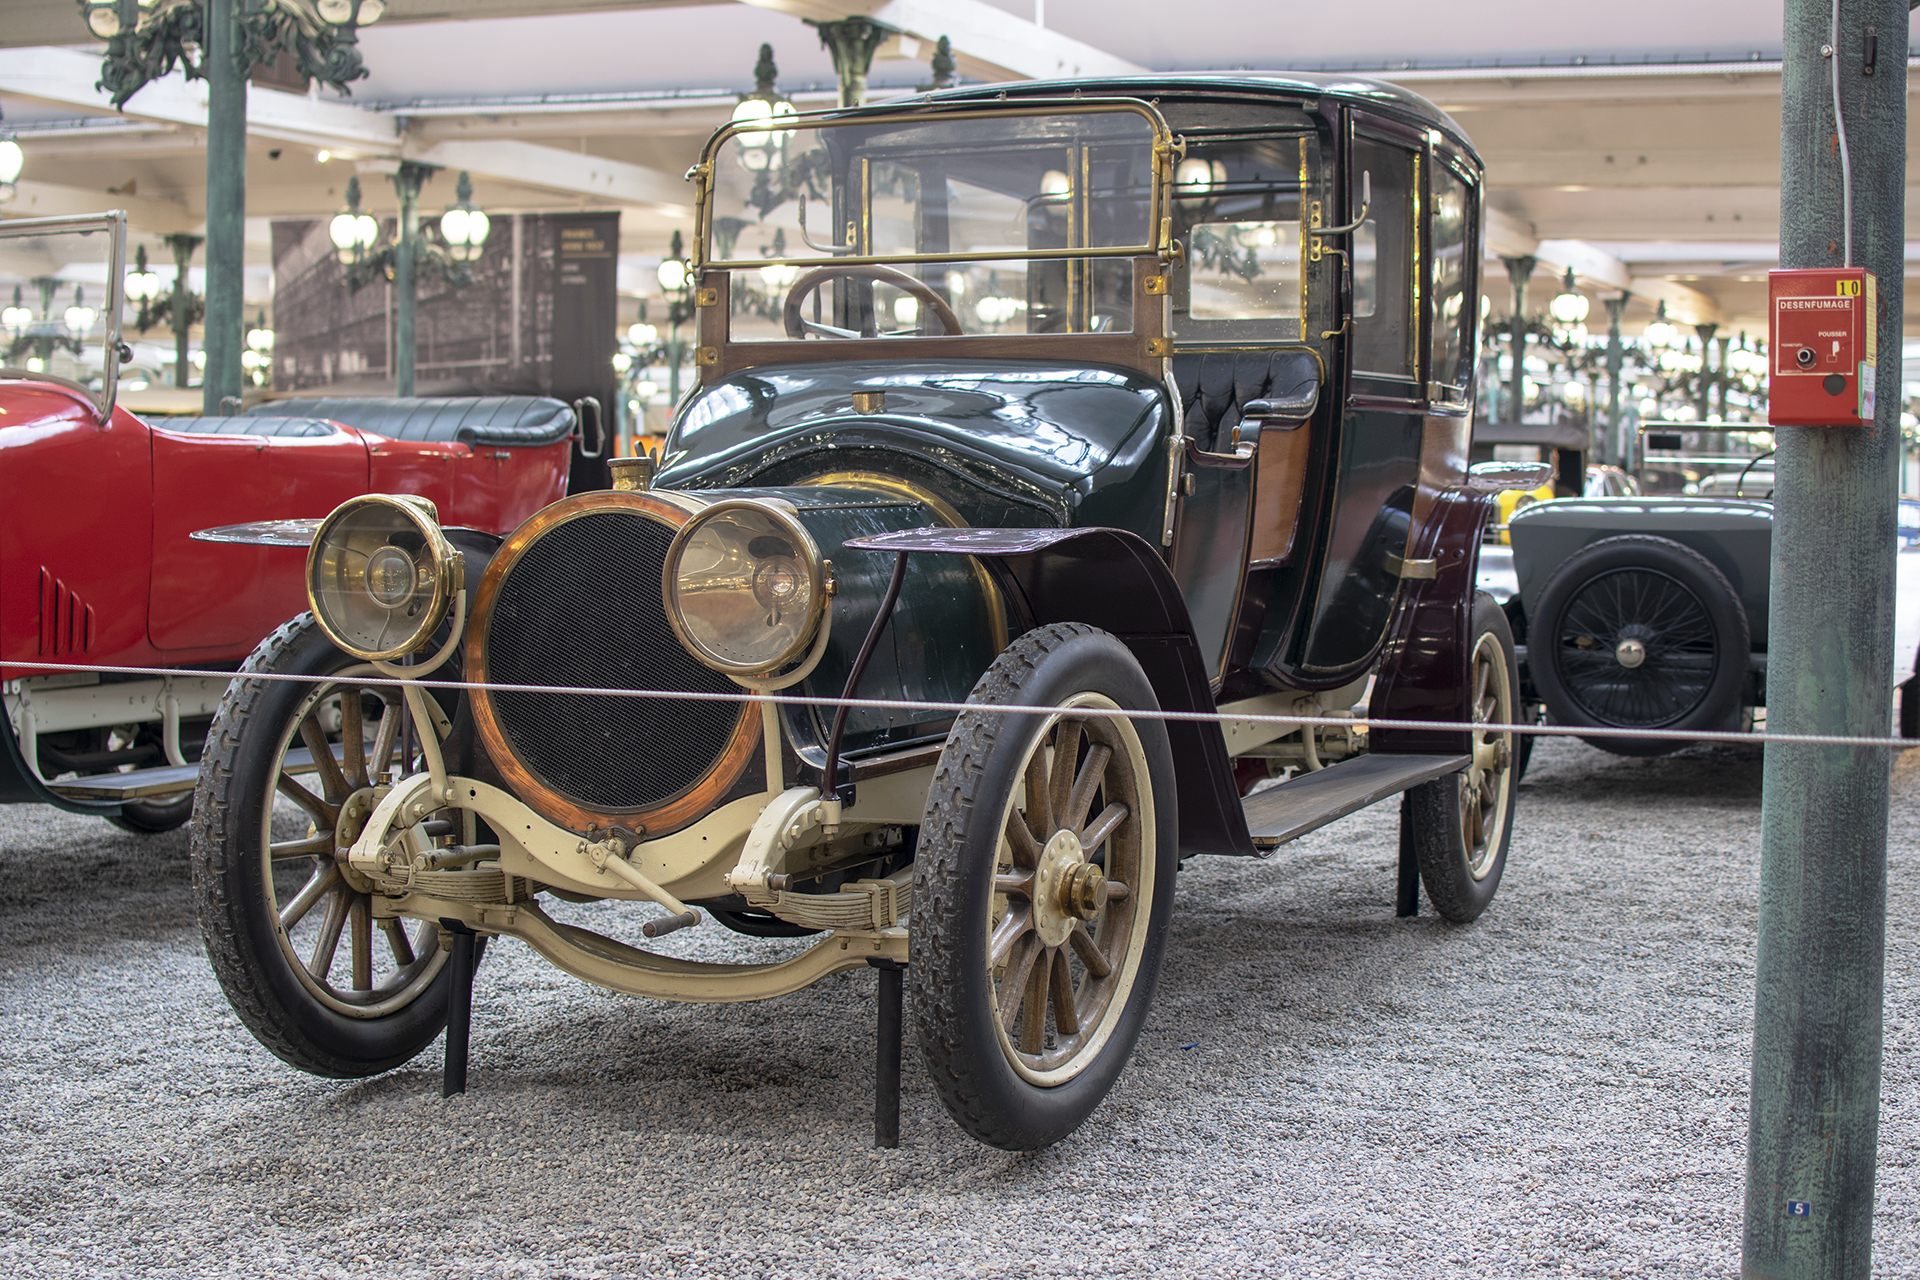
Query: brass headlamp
[
  {"x": 381, "y": 575},
  {"x": 744, "y": 586}
]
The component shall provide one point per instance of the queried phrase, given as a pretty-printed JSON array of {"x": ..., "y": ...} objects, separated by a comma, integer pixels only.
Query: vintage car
[
  {"x": 1028, "y": 417},
  {"x": 100, "y": 565},
  {"x": 1643, "y": 613}
]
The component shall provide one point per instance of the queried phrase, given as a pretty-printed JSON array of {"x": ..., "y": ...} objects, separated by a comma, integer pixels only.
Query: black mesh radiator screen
[{"x": 582, "y": 607}]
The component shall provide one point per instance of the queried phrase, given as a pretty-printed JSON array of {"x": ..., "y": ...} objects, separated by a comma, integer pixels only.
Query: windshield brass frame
[{"x": 1166, "y": 149}]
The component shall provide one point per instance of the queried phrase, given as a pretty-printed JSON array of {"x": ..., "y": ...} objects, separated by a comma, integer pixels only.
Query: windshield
[
  {"x": 992, "y": 222},
  {"x": 60, "y": 296}
]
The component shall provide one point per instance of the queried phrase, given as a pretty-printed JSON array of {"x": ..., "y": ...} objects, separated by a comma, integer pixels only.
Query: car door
[{"x": 1377, "y": 468}]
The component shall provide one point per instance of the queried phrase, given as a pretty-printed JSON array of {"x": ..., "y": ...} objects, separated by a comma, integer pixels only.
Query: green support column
[
  {"x": 180, "y": 309},
  {"x": 226, "y": 206},
  {"x": 1813, "y": 1124},
  {"x": 407, "y": 182},
  {"x": 851, "y": 41},
  {"x": 1616, "y": 362},
  {"x": 1519, "y": 270},
  {"x": 1702, "y": 405}
]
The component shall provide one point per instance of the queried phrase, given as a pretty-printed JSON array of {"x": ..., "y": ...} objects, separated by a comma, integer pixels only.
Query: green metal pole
[
  {"x": 1703, "y": 388},
  {"x": 1616, "y": 360},
  {"x": 1519, "y": 270},
  {"x": 407, "y": 182},
  {"x": 1813, "y": 1124},
  {"x": 851, "y": 42},
  {"x": 180, "y": 310},
  {"x": 226, "y": 206}
]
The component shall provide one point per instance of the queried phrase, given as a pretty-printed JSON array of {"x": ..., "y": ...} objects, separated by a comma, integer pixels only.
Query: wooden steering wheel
[{"x": 799, "y": 326}]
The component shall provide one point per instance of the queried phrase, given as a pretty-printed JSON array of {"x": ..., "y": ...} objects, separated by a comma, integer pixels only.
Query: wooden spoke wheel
[
  {"x": 1067, "y": 920},
  {"x": 1043, "y": 883},
  {"x": 305, "y": 958},
  {"x": 1461, "y": 824}
]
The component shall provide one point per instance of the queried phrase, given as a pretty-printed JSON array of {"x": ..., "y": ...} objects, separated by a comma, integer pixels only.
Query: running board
[
  {"x": 146, "y": 784},
  {"x": 1312, "y": 800}
]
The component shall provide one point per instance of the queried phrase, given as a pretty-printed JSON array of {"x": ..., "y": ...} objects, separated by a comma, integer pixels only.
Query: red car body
[{"x": 97, "y": 565}]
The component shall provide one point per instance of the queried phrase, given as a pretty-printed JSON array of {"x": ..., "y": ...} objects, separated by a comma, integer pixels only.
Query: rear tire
[
  {"x": 1638, "y": 632},
  {"x": 151, "y": 818},
  {"x": 1462, "y": 823}
]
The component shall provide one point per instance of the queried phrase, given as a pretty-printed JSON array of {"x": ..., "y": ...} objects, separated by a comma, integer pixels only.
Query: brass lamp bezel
[
  {"x": 449, "y": 565},
  {"x": 782, "y": 516}
]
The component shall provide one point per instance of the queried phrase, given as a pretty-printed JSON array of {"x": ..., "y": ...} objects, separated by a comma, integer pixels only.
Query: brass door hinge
[
  {"x": 707, "y": 355},
  {"x": 708, "y": 297},
  {"x": 1156, "y": 285},
  {"x": 1159, "y": 347},
  {"x": 1420, "y": 570}
]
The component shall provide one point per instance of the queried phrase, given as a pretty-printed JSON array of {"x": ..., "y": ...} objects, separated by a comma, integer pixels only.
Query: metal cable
[{"x": 901, "y": 704}]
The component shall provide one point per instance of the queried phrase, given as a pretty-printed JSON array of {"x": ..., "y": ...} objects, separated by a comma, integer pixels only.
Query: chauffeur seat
[
  {"x": 476, "y": 420},
  {"x": 279, "y": 426},
  {"x": 1215, "y": 385}
]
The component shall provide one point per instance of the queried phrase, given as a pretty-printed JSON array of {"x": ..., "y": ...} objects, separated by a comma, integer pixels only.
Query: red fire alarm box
[{"x": 1823, "y": 348}]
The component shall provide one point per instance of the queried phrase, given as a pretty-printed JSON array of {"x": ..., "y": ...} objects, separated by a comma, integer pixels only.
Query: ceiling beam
[
  {"x": 50, "y": 200},
  {"x": 988, "y": 43},
  {"x": 533, "y": 165},
  {"x": 67, "y": 77},
  {"x": 1509, "y": 237}
]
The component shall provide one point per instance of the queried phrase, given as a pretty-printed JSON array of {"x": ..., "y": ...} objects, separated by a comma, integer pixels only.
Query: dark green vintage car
[{"x": 1025, "y": 415}]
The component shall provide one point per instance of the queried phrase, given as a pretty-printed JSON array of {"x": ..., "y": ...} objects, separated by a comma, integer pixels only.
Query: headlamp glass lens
[
  {"x": 375, "y": 581},
  {"x": 744, "y": 590}
]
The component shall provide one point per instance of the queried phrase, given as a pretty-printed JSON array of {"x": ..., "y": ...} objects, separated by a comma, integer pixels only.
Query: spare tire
[{"x": 1639, "y": 632}]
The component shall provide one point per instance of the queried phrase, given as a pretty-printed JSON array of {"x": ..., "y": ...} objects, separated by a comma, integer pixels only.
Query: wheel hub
[
  {"x": 354, "y": 812},
  {"x": 1060, "y": 884},
  {"x": 1630, "y": 653}
]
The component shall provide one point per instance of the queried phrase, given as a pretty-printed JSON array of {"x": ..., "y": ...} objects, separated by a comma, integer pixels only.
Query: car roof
[{"x": 1297, "y": 86}]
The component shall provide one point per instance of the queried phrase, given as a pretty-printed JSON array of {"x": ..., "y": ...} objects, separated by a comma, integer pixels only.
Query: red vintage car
[{"x": 99, "y": 559}]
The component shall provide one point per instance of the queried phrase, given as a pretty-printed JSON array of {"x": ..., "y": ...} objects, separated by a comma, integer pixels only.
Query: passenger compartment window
[
  {"x": 1237, "y": 211},
  {"x": 1384, "y": 261},
  {"x": 1246, "y": 270},
  {"x": 1452, "y": 322}
]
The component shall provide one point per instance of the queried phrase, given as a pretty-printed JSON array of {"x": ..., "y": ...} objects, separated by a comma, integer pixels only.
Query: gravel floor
[{"x": 1321, "y": 1091}]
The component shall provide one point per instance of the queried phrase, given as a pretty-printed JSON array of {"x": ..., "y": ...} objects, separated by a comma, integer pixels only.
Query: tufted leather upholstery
[
  {"x": 279, "y": 425},
  {"x": 484, "y": 420},
  {"x": 1215, "y": 385}
]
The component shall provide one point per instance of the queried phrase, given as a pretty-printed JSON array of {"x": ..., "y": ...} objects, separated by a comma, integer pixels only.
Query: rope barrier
[{"x": 902, "y": 704}]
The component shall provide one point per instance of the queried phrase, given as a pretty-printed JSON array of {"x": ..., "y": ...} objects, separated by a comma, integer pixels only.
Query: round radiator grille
[{"x": 581, "y": 606}]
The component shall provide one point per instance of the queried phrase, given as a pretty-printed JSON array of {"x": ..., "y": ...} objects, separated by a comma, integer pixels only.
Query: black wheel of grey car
[
  {"x": 1461, "y": 824},
  {"x": 1042, "y": 888},
  {"x": 295, "y": 936},
  {"x": 1639, "y": 632}
]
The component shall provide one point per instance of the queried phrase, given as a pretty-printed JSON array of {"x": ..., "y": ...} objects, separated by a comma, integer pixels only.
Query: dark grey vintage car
[{"x": 1643, "y": 613}]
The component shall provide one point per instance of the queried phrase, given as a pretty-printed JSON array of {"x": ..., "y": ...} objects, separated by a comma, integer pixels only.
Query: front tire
[
  {"x": 1461, "y": 824},
  {"x": 1042, "y": 888},
  {"x": 276, "y": 906}
]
